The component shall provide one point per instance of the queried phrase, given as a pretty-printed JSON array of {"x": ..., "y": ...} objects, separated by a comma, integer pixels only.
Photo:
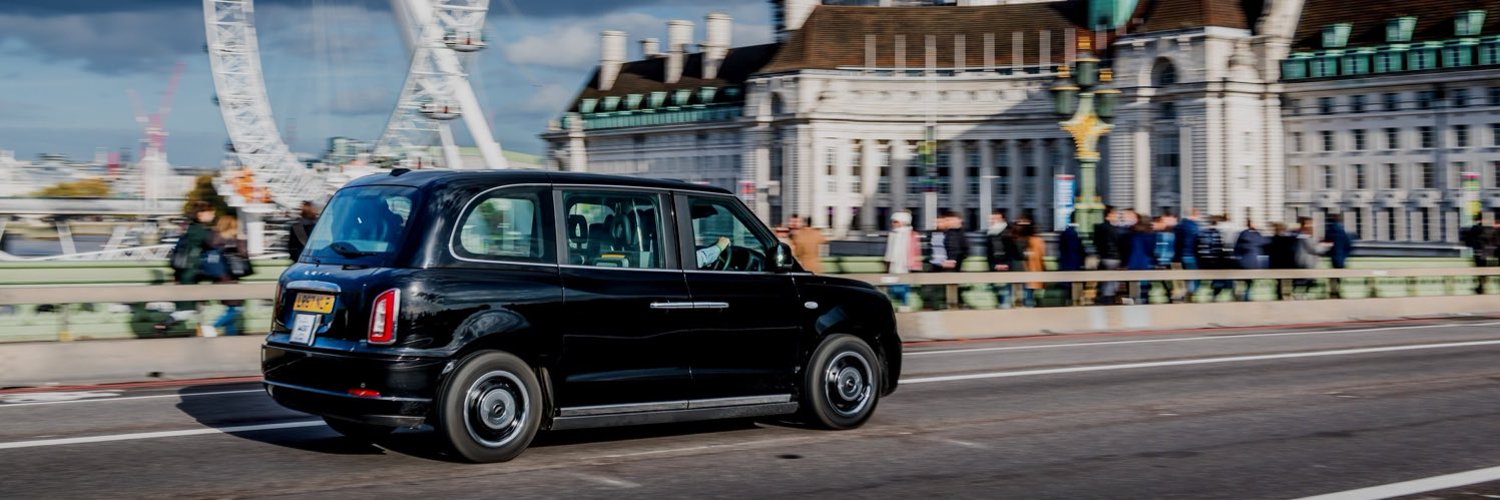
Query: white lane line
[
  {"x": 157, "y": 435},
  {"x": 1415, "y": 486},
  {"x": 1186, "y": 339},
  {"x": 131, "y": 398},
  {"x": 1185, "y": 362},
  {"x": 607, "y": 481}
]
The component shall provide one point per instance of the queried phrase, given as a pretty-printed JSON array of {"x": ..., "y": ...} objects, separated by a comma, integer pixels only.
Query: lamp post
[{"x": 1088, "y": 110}]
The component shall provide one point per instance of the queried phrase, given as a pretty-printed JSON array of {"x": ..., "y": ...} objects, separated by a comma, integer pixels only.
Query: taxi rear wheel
[
  {"x": 842, "y": 383},
  {"x": 491, "y": 408}
]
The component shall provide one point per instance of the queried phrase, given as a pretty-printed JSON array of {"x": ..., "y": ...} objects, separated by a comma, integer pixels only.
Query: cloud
[
  {"x": 575, "y": 44},
  {"x": 112, "y": 43},
  {"x": 361, "y": 102}
]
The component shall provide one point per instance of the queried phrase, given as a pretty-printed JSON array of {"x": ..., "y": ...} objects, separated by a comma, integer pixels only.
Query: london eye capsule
[
  {"x": 464, "y": 40},
  {"x": 440, "y": 109}
]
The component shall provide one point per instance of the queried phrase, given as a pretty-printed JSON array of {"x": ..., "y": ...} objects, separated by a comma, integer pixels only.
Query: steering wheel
[{"x": 724, "y": 260}]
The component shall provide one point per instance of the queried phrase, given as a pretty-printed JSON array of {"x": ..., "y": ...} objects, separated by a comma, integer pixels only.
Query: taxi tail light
[
  {"x": 383, "y": 317},
  {"x": 364, "y": 393}
]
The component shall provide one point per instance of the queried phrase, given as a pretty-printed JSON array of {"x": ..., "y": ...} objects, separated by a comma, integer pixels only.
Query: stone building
[
  {"x": 1387, "y": 106},
  {"x": 830, "y": 119}
]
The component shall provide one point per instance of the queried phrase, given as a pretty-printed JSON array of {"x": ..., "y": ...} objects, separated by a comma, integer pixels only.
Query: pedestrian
[
  {"x": 187, "y": 253},
  {"x": 299, "y": 230},
  {"x": 1308, "y": 251},
  {"x": 1002, "y": 253},
  {"x": 807, "y": 244},
  {"x": 1035, "y": 251},
  {"x": 1107, "y": 250},
  {"x": 903, "y": 254},
  {"x": 1249, "y": 253},
  {"x": 1185, "y": 247},
  {"x": 1142, "y": 245},
  {"x": 1070, "y": 250},
  {"x": 945, "y": 253},
  {"x": 1210, "y": 253},
  {"x": 1340, "y": 245},
  {"x": 1165, "y": 227},
  {"x": 1482, "y": 241},
  {"x": 226, "y": 263}
]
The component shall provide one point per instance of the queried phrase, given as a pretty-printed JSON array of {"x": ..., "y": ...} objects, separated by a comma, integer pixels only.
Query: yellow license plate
[{"x": 309, "y": 302}]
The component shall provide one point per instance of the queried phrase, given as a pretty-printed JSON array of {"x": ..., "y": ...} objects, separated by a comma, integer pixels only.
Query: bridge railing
[
  {"x": 43, "y": 313},
  {"x": 1078, "y": 288}
]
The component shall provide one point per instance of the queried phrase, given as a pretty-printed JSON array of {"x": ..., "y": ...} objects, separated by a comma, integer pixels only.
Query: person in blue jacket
[
  {"x": 1341, "y": 244},
  {"x": 1142, "y": 254}
]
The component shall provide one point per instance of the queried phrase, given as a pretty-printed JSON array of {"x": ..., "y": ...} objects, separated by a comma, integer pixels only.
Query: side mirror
[{"x": 781, "y": 258}]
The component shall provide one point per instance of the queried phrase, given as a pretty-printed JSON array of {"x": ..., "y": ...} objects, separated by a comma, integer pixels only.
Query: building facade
[
  {"x": 832, "y": 120},
  {"x": 1388, "y": 107}
]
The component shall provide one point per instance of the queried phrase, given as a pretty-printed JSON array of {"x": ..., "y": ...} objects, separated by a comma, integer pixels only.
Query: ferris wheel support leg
[
  {"x": 451, "y": 156},
  {"x": 479, "y": 129}
]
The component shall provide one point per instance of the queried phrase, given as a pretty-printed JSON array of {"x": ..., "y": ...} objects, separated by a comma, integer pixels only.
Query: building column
[
  {"x": 1016, "y": 177},
  {"x": 869, "y": 184},
  {"x": 900, "y": 161},
  {"x": 986, "y": 177},
  {"x": 958, "y": 175},
  {"x": 818, "y": 203},
  {"x": 843, "y": 180},
  {"x": 1043, "y": 194},
  {"x": 758, "y": 156}
]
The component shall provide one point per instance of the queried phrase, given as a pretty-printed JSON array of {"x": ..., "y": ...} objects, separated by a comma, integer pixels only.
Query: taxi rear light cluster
[{"x": 383, "y": 318}]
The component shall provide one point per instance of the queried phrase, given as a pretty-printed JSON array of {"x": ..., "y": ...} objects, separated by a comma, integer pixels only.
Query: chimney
[
  {"x": 650, "y": 48},
  {"x": 716, "y": 48},
  {"x": 611, "y": 57},
  {"x": 790, "y": 14},
  {"x": 679, "y": 38}
]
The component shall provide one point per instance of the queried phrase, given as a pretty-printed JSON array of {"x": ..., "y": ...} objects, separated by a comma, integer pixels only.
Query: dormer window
[
  {"x": 1469, "y": 23},
  {"x": 1336, "y": 36},
  {"x": 1399, "y": 30},
  {"x": 658, "y": 98},
  {"x": 587, "y": 105},
  {"x": 706, "y": 94},
  {"x": 633, "y": 101},
  {"x": 611, "y": 103},
  {"x": 681, "y": 97}
]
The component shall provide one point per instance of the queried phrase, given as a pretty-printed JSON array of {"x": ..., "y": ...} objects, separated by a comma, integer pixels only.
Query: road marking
[
  {"x": 56, "y": 397},
  {"x": 5, "y": 403},
  {"x": 1186, "y": 339},
  {"x": 607, "y": 481},
  {"x": 157, "y": 435},
  {"x": 1186, "y": 362},
  {"x": 1415, "y": 486}
]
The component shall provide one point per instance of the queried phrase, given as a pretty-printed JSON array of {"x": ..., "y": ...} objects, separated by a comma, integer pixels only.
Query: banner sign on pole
[{"x": 1064, "y": 201}]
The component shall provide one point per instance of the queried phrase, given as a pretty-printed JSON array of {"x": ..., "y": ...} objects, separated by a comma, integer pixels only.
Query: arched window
[{"x": 1164, "y": 73}]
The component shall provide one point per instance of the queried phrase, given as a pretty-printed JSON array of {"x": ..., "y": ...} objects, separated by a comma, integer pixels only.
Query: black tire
[
  {"x": 842, "y": 383},
  {"x": 365, "y": 433},
  {"x": 506, "y": 390}
]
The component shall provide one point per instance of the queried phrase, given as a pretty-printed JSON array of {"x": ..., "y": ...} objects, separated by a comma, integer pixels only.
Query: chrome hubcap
[
  {"x": 848, "y": 384},
  {"x": 495, "y": 408}
]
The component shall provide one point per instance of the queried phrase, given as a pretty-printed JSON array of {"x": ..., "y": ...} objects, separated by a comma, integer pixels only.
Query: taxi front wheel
[
  {"x": 491, "y": 407},
  {"x": 842, "y": 384}
]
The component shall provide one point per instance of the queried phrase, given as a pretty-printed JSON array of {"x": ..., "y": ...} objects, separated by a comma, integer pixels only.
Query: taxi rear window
[{"x": 362, "y": 225}]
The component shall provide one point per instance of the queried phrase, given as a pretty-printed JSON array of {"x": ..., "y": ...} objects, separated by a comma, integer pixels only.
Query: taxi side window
[
  {"x": 714, "y": 222},
  {"x": 506, "y": 225},
  {"x": 613, "y": 229}
]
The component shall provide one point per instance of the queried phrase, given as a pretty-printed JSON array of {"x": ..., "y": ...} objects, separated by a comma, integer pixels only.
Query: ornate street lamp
[{"x": 1089, "y": 111}]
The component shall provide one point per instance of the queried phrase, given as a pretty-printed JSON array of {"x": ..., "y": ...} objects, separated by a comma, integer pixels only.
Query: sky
[{"x": 332, "y": 68}]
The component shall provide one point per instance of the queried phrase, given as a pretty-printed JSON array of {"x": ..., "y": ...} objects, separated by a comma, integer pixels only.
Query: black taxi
[{"x": 494, "y": 305}]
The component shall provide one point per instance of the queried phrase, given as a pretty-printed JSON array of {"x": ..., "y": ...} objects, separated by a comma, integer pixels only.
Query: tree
[
  {"x": 87, "y": 188},
  {"x": 205, "y": 191}
]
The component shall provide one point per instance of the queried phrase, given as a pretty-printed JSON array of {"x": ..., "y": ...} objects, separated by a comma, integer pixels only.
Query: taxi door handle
[{"x": 667, "y": 306}]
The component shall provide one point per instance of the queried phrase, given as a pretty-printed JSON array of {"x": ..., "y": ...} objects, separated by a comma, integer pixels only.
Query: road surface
[{"x": 1209, "y": 414}]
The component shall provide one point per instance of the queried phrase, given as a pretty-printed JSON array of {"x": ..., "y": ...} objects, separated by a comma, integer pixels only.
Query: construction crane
[{"x": 153, "y": 165}]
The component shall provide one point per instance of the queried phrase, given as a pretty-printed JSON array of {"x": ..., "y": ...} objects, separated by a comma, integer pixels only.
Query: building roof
[
  {"x": 1164, "y": 15},
  {"x": 424, "y": 179},
  {"x": 1434, "y": 20},
  {"x": 649, "y": 75},
  {"x": 835, "y": 36}
]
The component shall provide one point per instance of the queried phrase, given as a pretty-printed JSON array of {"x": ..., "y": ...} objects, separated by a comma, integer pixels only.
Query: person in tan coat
[
  {"x": 807, "y": 244},
  {"x": 1036, "y": 251}
]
